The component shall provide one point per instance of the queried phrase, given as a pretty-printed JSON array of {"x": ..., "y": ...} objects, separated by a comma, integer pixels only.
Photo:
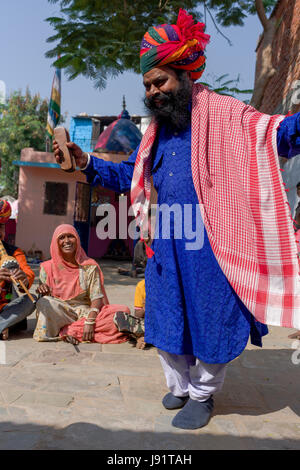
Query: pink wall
[{"x": 34, "y": 227}]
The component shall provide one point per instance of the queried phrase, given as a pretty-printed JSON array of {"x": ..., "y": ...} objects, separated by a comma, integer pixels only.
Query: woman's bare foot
[
  {"x": 71, "y": 339},
  {"x": 5, "y": 334},
  {"x": 140, "y": 343}
]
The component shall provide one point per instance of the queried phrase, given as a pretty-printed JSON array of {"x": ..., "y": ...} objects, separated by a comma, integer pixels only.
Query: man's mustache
[{"x": 158, "y": 100}]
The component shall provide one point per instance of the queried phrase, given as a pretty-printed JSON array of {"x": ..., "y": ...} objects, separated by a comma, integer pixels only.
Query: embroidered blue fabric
[
  {"x": 288, "y": 136},
  {"x": 190, "y": 306}
]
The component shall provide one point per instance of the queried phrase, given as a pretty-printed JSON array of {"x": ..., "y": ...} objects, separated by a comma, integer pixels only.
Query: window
[
  {"x": 56, "y": 198},
  {"x": 82, "y": 202}
]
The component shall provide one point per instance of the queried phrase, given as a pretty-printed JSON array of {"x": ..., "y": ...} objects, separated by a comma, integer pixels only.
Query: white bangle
[
  {"x": 94, "y": 309},
  {"x": 87, "y": 163}
]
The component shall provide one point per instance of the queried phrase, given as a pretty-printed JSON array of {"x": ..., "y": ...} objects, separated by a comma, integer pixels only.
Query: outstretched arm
[{"x": 115, "y": 176}]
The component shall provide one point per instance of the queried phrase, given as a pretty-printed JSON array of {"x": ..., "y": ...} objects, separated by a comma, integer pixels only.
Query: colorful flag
[{"x": 54, "y": 105}]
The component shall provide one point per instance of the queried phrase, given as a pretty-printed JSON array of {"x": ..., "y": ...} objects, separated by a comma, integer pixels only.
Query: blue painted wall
[{"x": 81, "y": 132}]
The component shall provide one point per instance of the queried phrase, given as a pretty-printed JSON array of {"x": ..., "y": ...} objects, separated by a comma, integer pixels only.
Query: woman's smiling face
[{"x": 67, "y": 244}]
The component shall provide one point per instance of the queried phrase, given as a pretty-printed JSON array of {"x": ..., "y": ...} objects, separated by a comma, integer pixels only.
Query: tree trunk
[{"x": 265, "y": 71}]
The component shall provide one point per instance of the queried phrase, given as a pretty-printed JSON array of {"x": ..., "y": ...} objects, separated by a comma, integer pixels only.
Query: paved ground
[{"x": 109, "y": 396}]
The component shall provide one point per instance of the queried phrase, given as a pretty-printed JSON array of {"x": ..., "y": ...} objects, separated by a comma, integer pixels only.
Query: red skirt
[{"x": 105, "y": 329}]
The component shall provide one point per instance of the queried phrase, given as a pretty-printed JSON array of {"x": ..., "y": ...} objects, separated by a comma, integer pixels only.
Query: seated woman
[
  {"x": 73, "y": 295},
  {"x": 14, "y": 307}
]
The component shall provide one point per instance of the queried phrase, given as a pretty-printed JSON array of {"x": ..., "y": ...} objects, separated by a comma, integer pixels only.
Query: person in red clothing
[{"x": 14, "y": 307}]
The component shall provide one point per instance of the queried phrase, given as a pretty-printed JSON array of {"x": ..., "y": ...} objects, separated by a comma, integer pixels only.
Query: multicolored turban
[
  {"x": 179, "y": 45},
  {"x": 5, "y": 211}
]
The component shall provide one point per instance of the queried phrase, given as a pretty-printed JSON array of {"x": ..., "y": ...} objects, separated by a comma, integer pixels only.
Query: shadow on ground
[
  {"x": 261, "y": 381},
  {"x": 82, "y": 435}
]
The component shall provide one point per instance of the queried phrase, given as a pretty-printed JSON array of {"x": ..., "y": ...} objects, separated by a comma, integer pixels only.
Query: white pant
[{"x": 188, "y": 375}]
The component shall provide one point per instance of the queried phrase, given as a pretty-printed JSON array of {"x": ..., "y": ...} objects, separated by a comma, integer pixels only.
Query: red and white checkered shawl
[{"x": 242, "y": 200}]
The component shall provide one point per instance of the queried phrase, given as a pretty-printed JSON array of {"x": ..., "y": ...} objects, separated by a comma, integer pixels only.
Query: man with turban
[
  {"x": 13, "y": 309},
  {"x": 220, "y": 271}
]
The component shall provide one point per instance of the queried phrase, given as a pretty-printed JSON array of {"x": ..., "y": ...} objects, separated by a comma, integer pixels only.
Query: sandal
[{"x": 61, "y": 136}]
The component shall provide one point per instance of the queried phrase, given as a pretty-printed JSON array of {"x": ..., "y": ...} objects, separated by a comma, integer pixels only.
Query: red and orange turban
[
  {"x": 5, "y": 211},
  {"x": 179, "y": 45}
]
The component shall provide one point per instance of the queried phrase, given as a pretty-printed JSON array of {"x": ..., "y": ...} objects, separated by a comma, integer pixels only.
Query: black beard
[{"x": 174, "y": 106}]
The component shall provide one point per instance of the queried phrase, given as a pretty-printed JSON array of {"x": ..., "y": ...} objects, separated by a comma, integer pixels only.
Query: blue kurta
[{"x": 190, "y": 306}]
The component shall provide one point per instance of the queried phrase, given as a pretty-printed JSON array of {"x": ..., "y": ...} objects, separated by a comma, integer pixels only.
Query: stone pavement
[{"x": 109, "y": 396}]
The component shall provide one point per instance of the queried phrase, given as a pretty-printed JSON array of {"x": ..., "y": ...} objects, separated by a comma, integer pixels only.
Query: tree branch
[
  {"x": 261, "y": 13},
  {"x": 161, "y": 6},
  {"x": 215, "y": 24}
]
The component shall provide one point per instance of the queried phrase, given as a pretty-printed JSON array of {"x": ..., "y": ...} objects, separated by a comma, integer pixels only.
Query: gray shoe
[
  {"x": 194, "y": 415},
  {"x": 171, "y": 402}
]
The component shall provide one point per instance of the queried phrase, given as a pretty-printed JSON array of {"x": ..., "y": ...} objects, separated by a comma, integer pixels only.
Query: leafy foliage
[
  {"x": 229, "y": 87},
  {"x": 100, "y": 38},
  {"x": 22, "y": 124},
  {"x": 234, "y": 12}
]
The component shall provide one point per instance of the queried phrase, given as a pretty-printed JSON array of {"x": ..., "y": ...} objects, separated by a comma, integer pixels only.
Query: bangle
[
  {"x": 89, "y": 322},
  {"x": 87, "y": 162},
  {"x": 94, "y": 309}
]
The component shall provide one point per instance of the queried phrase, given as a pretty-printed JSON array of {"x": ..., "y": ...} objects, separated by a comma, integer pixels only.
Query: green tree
[
  {"x": 100, "y": 38},
  {"x": 225, "y": 86},
  {"x": 22, "y": 124}
]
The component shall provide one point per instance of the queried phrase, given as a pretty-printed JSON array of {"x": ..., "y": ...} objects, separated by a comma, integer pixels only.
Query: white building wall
[{"x": 291, "y": 176}]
